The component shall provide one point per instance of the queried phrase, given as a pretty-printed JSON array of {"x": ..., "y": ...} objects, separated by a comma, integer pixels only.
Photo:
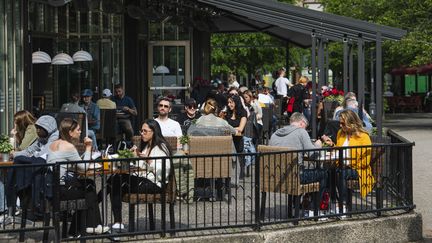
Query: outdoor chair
[
  {"x": 212, "y": 167},
  {"x": 279, "y": 173},
  {"x": 376, "y": 163},
  {"x": 267, "y": 124},
  {"x": 108, "y": 127},
  {"x": 169, "y": 190},
  {"x": 172, "y": 141}
]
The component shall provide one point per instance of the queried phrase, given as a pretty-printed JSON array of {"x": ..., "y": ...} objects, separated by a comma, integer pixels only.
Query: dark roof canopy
[{"x": 294, "y": 24}]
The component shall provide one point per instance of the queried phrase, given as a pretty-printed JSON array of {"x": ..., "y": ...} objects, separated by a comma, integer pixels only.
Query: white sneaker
[
  {"x": 118, "y": 226},
  {"x": 97, "y": 230}
]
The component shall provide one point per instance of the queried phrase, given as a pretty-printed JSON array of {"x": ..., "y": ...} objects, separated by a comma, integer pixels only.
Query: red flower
[
  {"x": 326, "y": 93},
  {"x": 334, "y": 91},
  {"x": 341, "y": 92}
]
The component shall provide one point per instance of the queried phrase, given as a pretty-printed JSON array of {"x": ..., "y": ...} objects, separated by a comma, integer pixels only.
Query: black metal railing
[{"x": 208, "y": 193}]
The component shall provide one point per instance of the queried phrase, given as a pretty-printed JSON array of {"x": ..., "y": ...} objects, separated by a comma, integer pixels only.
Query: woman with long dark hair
[
  {"x": 71, "y": 185},
  {"x": 237, "y": 118},
  {"x": 148, "y": 179}
]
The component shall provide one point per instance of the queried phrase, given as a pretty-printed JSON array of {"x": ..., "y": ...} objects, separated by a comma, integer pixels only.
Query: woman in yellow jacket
[{"x": 352, "y": 133}]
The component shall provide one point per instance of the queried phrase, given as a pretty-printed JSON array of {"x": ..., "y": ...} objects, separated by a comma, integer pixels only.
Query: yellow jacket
[{"x": 360, "y": 160}]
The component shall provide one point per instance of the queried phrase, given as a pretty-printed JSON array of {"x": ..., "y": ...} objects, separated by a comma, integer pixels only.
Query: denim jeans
[
  {"x": 343, "y": 175},
  {"x": 3, "y": 204},
  {"x": 315, "y": 175},
  {"x": 249, "y": 147}
]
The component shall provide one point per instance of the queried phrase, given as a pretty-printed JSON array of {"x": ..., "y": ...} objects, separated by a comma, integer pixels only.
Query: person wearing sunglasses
[
  {"x": 169, "y": 127},
  {"x": 352, "y": 133},
  {"x": 191, "y": 113}
]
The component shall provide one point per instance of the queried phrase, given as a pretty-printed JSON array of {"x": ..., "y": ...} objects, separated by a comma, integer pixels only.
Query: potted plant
[
  {"x": 184, "y": 141},
  {"x": 125, "y": 154},
  {"x": 5, "y": 147}
]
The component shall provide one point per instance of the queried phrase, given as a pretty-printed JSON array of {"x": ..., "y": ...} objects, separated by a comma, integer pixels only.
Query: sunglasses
[
  {"x": 342, "y": 123},
  {"x": 191, "y": 107},
  {"x": 165, "y": 106},
  {"x": 145, "y": 131}
]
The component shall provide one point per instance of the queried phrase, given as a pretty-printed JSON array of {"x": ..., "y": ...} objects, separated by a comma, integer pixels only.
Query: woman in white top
[
  {"x": 149, "y": 178},
  {"x": 71, "y": 186}
]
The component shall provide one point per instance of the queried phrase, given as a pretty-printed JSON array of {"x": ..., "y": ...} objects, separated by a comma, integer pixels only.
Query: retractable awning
[{"x": 295, "y": 24}]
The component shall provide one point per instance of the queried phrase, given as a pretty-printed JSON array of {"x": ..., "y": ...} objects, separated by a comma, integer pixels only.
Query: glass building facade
[{"x": 11, "y": 62}]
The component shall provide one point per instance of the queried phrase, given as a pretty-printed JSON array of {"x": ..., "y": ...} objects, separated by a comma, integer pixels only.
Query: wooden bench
[
  {"x": 280, "y": 173},
  {"x": 169, "y": 190}
]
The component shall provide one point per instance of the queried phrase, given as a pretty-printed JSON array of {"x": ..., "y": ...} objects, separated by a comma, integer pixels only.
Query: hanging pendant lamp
[
  {"x": 82, "y": 56},
  {"x": 161, "y": 69},
  {"x": 62, "y": 59},
  {"x": 40, "y": 57}
]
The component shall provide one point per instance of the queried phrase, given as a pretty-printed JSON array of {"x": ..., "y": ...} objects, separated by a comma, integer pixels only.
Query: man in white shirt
[
  {"x": 169, "y": 127},
  {"x": 282, "y": 84}
]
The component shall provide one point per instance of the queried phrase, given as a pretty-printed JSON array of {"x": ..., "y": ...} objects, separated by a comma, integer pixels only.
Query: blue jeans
[
  {"x": 3, "y": 204},
  {"x": 249, "y": 147},
  {"x": 343, "y": 175},
  {"x": 315, "y": 175}
]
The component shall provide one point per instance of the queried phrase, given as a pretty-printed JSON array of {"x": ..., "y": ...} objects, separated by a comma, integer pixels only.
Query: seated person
[
  {"x": 126, "y": 111},
  {"x": 149, "y": 178},
  {"x": 352, "y": 104},
  {"x": 209, "y": 124},
  {"x": 71, "y": 186},
  {"x": 191, "y": 113},
  {"x": 93, "y": 116},
  {"x": 352, "y": 133},
  {"x": 295, "y": 136},
  {"x": 169, "y": 127},
  {"x": 20, "y": 180}
]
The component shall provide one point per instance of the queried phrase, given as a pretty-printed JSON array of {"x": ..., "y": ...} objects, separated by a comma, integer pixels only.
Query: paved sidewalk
[{"x": 417, "y": 127}]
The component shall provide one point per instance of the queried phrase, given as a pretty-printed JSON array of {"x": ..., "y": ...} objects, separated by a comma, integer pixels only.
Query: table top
[
  {"x": 101, "y": 171},
  {"x": 7, "y": 163}
]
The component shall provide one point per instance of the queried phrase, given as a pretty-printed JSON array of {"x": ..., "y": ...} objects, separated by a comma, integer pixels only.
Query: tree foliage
[
  {"x": 246, "y": 53},
  {"x": 415, "y": 16}
]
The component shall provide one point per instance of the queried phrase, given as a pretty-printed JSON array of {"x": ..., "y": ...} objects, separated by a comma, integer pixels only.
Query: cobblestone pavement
[{"x": 417, "y": 127}]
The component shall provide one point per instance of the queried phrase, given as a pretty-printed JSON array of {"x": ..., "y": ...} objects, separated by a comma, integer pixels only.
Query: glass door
[{"x": 169, "y": 72}]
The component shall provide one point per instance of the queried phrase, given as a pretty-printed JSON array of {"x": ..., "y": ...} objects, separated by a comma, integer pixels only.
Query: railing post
[
  {"x": 257, "y": 192},
  {"x": 163, "y": 198},
  {"x": 408, "y": 175},
  {"x": 56, "y": 202}
]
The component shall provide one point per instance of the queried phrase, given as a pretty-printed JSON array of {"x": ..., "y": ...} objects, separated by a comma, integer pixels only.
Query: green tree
[
  {"x": 245, "y": 53},
  {"x": 415, "y": 16}
]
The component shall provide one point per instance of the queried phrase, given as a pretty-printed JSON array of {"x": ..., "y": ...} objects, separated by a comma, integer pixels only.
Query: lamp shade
[
  {"x": 62, "y": 59},
  {"x": 161, "y": 69},
  {"x": 82, "y": 56},
  {"x": 40, "y": 57}
]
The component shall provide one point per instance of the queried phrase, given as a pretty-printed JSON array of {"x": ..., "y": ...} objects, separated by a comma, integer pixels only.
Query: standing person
[
  {"x": 169, "y": 127},
  {"x": 232, "y": 81},
  {"x": 352, "y": 133},
  {"x": 191, "y": 113},
  {"x": 282, "y": 84},
  {"x": 71, "y": 186},
  {"x": 149, "y": 178},
  {"x": 297, "y": 94},
  {"x": 105, "y": 102},
  {"x": 126, "y": 110},
  {"x": 93, "y": 116},
  {"x": 237, "y": 117}
]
